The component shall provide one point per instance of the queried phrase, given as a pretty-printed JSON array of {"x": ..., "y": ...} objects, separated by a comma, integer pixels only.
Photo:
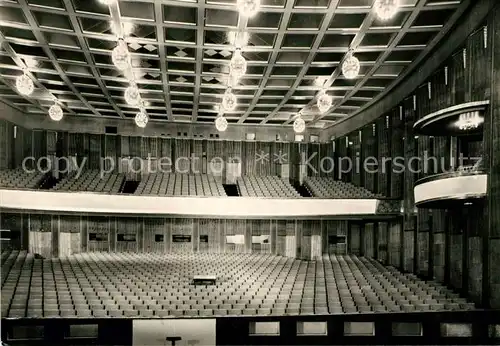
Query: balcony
[
  {"x": 467, "y": 185},
  {"x": 465, "y": 119}
]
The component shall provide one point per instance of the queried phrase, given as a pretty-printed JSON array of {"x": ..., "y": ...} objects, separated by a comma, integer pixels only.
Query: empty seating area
[
  {"x": 266, "y": 186},
  {"x": 328, "y": 187},
  {"x": 159, "y": 285},
  {"x": 91, "y": 181},
  {"x": 176, "y": 184},
  {"x": 19, "y": 178}
]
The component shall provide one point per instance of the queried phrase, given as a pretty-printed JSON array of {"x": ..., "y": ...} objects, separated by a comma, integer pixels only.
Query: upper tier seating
[
  {"x": 19, "y": 178},
  {"x": 266, "y": 186},
  {"x": 328, "y": 187},
  {"x": 92, "y": 181},
  {"x": 159, "y": 285},
  {"x": 176, "y": 184}
]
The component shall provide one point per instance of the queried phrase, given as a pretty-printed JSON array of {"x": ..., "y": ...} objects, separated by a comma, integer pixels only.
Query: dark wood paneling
[
  {"x": 155, "y": 235},
  {"x": 99, "y": 225},
  {"x": 181, "y": 228}
]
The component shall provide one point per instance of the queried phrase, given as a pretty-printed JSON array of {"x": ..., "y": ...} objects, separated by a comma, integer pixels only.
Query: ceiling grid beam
[
  {"x": 307, "y": 63},
  {"x": 356, "y": 41},
  {"x": 85, "y": 49},
  {"x": 200, "y": 36},
  {"x": 160, "y": 35},
  {"x": 41, "y": 39},
  {"x": 22, "y": 65},
  {"x": 395, "y": 41},
  {"x": 272, "y": 59}
]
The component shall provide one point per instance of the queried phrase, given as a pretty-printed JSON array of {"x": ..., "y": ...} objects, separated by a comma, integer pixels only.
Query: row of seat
[
  {"x": 266, "y": 186},
  {"x": 175, "y": 184},
  {"x": 146, "y": 285},
  {"x": 20, "y": 178},
  {"x": 92, "y": 181},
  {"x": 328, "y": 187}
]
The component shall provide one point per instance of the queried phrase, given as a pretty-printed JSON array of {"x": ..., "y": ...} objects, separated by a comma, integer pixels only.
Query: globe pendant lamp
[
  {"x": 386, "y": 9},
  {"x": 351, "y": 67},
  {"x": 299, "y": 125},
  {"x": 24, "y": 85},
  {"x": 324, "y": 102},
  {"x": 121, "y": 56},
  {"x": 132, "y": 95},
  {"x": 238, "y": 65},
  {"x": 229, "y": 101},
  {"x": 248, "y": 8},
  {"x": 221, "y": 124},
  {"x": 141, "y": 119},
  {"x": 55, "y": 112}
]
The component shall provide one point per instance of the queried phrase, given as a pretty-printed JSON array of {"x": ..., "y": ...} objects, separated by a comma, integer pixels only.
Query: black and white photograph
[{"x": 249, "y": 172}]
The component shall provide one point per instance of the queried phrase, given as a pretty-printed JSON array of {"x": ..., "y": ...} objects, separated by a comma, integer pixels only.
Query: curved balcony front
[
  {"x": 200, "y": 207},
  {"x": 465, "y": 119},
  {"x": 445, "y": 190}
]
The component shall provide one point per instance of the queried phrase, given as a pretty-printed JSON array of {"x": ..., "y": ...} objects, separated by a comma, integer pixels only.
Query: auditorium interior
[{"x": 250, "y": 172}]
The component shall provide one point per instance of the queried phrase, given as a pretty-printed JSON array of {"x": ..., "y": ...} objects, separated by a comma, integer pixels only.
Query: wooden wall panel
[
  {"x": 94, "y": 153},
  {"x": 4, "y": 144},
  {"x": 475, "y": 269},
  {"x": 369, "y": 249},
  {"x": 354, "y": 239},
  {"x": 155, "y": 235},
  {"x": 479, "y": 59},
  {"x": 40, "y": 223},
  {"x": 197, "y": 156},
  {"x": 281, "y": 237},
  {"x": 459, "y": 82},
  {"x": 18, "y": 234},
  {"x": 100, "y": 226},
  {"x": 395, "y": 245},
  {"x": 382, "y": 237},
  {"x": 182, "y": 235},
  {"x": 211, "y": 237},
  {"x": 438, "y": 253},
  {"x": 127, "y": 234},
  {"x": 51, "y": 142},
  {"x": 235, "y": 227},
  {"x": 19, "y": 142},
  {"x": 409, "y": 250},
  {"x": 410, "y": 148},
  {"x": 423, "y": 252},
  {"x": 261, "y": 228},
  {"x": 383, "y": 137},
  {"x": 135, "y": 146},
  {"x": 70, "y": 223},
  {"x": 39, "y": 144},
  {"x": 335, "y": 230},
  {"x": 70, "y": 231},
  {"x": 456, "y": 262},
  {"x": 397, "y": 151}
]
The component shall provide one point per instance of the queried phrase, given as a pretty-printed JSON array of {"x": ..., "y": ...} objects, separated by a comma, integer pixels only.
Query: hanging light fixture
[
  {"x": 299, "y": 125},
  {"x": 238, "y": 65},
  {"x": 229, "y": 101},
  {"x": 141, "y": 119},
  {"x": 324, "y": 102},
  {"x": 386, "y": 9},
  {"x": 469, "y": 121},
  {"x": 121, "y": 56},
  {"x": 351, "y": 66},
  {"x": 24, "y": 84},
  {"x": 221, "y": 124},
  {"x": 55, "y": 112},
  {"x": 248, "y": 8},
  {"x": 132, "y": 95}
]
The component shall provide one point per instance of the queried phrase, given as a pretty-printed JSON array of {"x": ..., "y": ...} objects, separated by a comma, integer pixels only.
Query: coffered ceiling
[{"x": 181, "y": 51}]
